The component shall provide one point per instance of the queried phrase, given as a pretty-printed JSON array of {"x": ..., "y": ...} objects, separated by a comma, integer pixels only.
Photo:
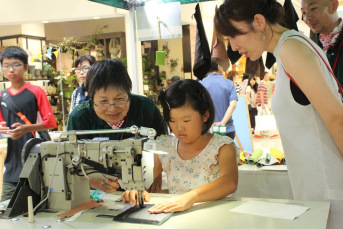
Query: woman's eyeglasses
[
  {"x": 118, "y": 103},
  {"x": 83, "y": 69}
]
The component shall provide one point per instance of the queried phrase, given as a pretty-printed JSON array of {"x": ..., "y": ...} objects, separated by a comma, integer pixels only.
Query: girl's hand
[
  {"x": 132, "y": 197},
  {"x": 177, "y": 204}
]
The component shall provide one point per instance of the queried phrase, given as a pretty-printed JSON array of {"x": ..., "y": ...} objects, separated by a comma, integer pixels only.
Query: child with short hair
[
  {"x": 200, "y": 165},
  {"x": 30, "y": 100}
]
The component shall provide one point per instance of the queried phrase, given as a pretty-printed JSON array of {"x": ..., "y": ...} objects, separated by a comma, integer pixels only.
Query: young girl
[
  {"x": 251, "y": 98},
  {"x": 201, "y": 166}
]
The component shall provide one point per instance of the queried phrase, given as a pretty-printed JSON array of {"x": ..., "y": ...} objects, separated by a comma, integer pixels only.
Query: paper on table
[
  {"x": 274, "y": 210},
  {"x": 275, "y": 167}
]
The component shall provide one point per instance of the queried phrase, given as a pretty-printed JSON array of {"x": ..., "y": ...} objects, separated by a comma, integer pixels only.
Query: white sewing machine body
[{"x": 62, "y": 169}]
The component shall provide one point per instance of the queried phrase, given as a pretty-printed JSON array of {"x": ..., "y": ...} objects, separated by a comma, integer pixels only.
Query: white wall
[
  {"x": 54, "y": 31},
  {"x": 33, "y": 29},
  {"x": 36, "y": 11}
]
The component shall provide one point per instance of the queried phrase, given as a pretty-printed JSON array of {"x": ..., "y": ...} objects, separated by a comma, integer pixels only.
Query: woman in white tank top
[{"x": 310, "y": 119}]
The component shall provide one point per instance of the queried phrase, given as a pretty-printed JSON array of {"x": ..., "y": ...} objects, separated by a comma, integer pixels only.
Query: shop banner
[
  {"x": 169, "y": 15},
  {"x": 124, "y": 4}
]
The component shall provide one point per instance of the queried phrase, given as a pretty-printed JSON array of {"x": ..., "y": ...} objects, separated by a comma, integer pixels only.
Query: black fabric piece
[
  {"x": 202, "y": 59},
  {"x": 298, "y": 95},
  {"x": 233, "y": 55},
  {"x": 136, "y": 214},
  {"x": 290, "y": 22},
  {"x": 270, "y": 60},
  {"x": 291, "y": 16},
  {"x": 254, "y": 67}
]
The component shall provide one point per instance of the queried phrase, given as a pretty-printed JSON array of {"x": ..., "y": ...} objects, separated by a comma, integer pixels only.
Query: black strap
[{"x": 9, "y": 103}]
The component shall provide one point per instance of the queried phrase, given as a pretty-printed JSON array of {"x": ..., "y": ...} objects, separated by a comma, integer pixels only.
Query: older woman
[{"x": 112, "y": 106}]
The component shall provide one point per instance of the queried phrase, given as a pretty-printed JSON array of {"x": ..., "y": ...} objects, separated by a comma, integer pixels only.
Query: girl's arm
[
  {"x": 132, "y": 196},
  {"x": 303, "y": 65},
  {"x": 219, "y": 188},
  {"x": 247, "y": 96}
]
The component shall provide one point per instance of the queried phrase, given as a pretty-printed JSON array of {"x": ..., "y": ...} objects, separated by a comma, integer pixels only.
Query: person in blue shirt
[{"x": 224, "y": 96}]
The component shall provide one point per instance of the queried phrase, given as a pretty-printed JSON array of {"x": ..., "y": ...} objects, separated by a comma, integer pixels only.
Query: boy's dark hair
[
  {"x": 214, "y": 66},
  {"x": 264, "y": 74},
  {"x": 188, "y": 92},
  {"x": 80, "y": 59},
  {"x": 14, "y": 52},
  {"x": 108, "y": 73}
]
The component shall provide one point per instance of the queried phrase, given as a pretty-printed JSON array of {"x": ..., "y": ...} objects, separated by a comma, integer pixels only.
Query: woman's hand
[
  {"x": 177, "y": 204},
  {"x": 132, "y": 197},
  {"x": 108, "y": 185}
]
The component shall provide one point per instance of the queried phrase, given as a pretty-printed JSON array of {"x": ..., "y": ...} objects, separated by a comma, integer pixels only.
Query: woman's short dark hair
[
  {"x": 245, "y": 11},
  {"x": 188, "y": 92},
  {"x": 14, "y": 52},
  {"x": 80, "y": 59},
  {"x": 108, "y": 73}
]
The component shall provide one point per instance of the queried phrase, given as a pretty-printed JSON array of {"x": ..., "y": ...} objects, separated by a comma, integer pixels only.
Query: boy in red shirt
[{"x": 31, "y": 101}]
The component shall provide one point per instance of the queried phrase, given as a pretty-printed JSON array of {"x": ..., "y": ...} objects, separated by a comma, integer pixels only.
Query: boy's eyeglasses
[
  {"x": 119, "y": 103},
  {"x": 84, "y": 69},
  {"x": 14, "y": 66}
]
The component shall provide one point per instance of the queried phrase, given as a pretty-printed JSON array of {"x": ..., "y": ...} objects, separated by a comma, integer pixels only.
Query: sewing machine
[{"x": 60, "y": 170}]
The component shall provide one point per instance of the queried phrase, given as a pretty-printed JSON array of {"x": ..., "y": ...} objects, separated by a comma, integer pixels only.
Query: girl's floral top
[{"x": 186, "y": 175}]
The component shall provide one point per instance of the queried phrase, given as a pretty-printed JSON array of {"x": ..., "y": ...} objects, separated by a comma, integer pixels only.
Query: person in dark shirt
[
  {"x": 323, "y": 19},
  {"x": 113, "y": 106},
  {"x": 82, "y": 65}
]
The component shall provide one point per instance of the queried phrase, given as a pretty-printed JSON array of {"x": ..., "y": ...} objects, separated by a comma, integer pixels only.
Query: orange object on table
[{"x": 87, "y": 205}]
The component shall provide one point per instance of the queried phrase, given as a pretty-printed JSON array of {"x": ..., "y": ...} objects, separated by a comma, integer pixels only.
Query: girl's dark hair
[
  {"x": 14, "y": 52},
  {"x": 249, "y": 83},
  {"x": 80, "y": 59},
  {"x": 245, "y": 10},
  {"x": 188, "y": 92},
  {"x": 108, "y": 73}
]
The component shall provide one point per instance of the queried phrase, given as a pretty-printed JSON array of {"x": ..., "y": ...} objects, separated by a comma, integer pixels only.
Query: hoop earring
[{"x": 263, "y": 37}]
